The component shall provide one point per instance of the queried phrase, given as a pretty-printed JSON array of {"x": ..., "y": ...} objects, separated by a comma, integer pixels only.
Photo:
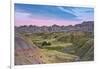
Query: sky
[{"x": 46, "y": 15}]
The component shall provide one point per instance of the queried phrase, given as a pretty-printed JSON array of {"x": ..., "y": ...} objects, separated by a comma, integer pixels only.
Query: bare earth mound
[{"x": 25, "y": 53}]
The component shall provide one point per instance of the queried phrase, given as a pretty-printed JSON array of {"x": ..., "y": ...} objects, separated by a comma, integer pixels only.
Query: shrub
[{"x": 45, "y": 43}]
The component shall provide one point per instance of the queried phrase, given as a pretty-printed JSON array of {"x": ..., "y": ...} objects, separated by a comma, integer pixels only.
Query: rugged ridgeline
[
  {"x": 86, "y": 26},
  {"x": 64, "y": 44}
]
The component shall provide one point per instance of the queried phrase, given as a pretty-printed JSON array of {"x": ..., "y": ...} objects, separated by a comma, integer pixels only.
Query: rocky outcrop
[{"x": 87, "y": 26}]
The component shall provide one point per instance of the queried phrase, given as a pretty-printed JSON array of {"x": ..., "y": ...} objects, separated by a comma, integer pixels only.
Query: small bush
[{"x": 45, "y": 43}]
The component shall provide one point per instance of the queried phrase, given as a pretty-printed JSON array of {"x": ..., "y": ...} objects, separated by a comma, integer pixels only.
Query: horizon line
[{"x": 52, "y": 24}]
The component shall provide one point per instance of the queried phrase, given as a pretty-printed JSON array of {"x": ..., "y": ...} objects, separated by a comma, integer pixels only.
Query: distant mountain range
[{"x": 86, "y": 26}]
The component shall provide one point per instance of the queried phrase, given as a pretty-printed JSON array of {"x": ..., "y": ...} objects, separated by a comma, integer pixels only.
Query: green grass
[
  {"x": 64, "y": 44},
  {"x": 53, "y": 56}
]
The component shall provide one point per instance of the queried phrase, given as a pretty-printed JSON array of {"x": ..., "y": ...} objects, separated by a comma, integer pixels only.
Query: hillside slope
[{"x": 25, "y": 53}]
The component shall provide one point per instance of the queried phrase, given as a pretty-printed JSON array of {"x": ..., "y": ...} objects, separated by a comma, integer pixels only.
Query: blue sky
[{"x": 68, "y": 15}]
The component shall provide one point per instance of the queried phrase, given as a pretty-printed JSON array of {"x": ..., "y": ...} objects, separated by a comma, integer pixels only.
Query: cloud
[
  {"x": 22, "y": 15},
  {"x": 72, "y": 11},
  {"x": 67, "y": 10}
]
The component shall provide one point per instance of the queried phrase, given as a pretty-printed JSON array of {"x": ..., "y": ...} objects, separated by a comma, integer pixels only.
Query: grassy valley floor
[{"x": 59, "y": 47}]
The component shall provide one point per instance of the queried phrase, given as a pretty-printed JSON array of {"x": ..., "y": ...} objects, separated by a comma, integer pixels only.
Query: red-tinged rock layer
[{"x": 25, "y": 53}]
